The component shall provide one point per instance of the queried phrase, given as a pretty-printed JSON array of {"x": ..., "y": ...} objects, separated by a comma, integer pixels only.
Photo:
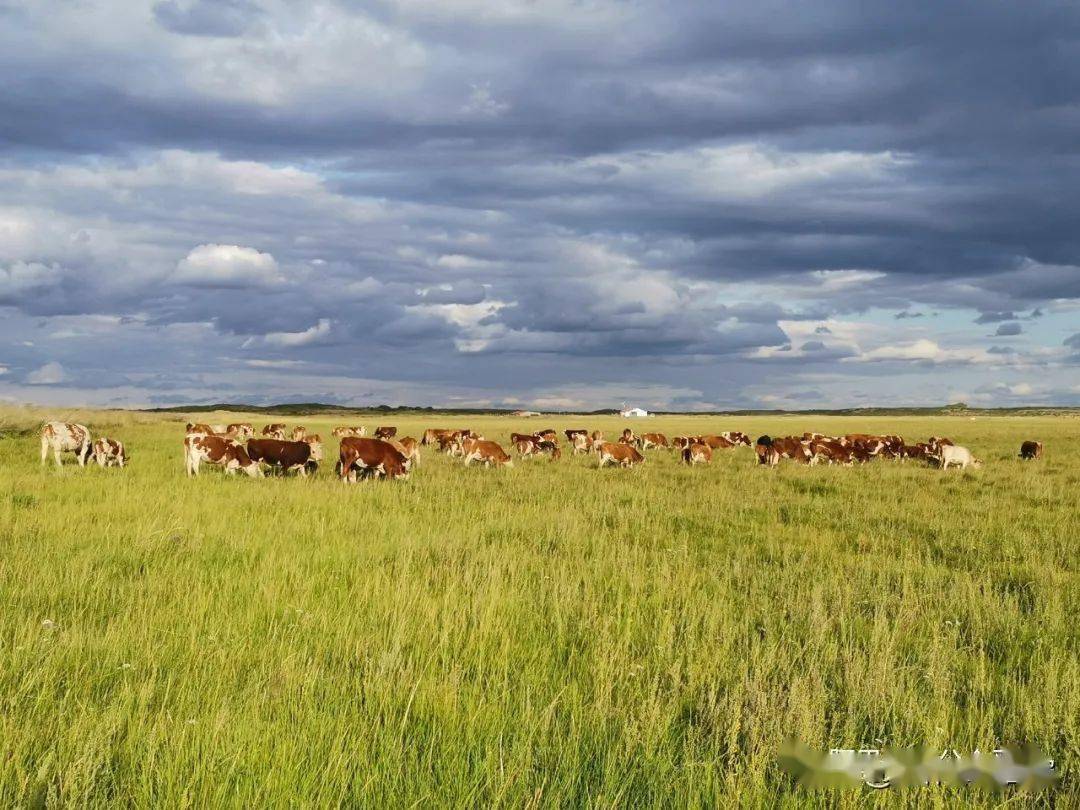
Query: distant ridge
[{"x": 315, "y": 408}]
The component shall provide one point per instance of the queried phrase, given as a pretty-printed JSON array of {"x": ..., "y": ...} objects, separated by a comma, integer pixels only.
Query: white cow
[
  {"x": 65, "y": 437},
  {"x": 950, "y": 454}
]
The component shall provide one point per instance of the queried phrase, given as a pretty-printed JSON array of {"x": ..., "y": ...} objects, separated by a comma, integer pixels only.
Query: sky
[{"x": 551, "y": 204}]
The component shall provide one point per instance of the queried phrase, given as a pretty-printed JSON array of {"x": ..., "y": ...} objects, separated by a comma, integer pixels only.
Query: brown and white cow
[
  {"x": 650, "y": 440},
  {"x": 65, "y": 437},
  {"x": 716, "y": 441},
  {"x": 220, "y": 451},
  {"x": 486, "y": 452},
  {"x": 1031, "y": 450},
  {"x": 341, "y": 432},
  {"x": 286, "y": 456},
  {"x": 314, "y": 441},
  {"x": 370, "y": 458},
  {"x": 766, "y": 453},
  {"x": 583, "y": 443},
  {"x": 736, "y": 437},
  {"x": 570, "y": 433},
  {"x": 431, "y": 435},
  {"x": 298, "y": 433},
  {"x": 199, "y": 429},
  {"x": 629, "y": 437},
  {"x": 622, "y": 453},
  {"x": 110, "y": 453},
  {"x": 240, "y": 430},
  {"x": 696, "y": 454},
  {"x": 937, "y": 442},
  {"x": 409, "y": 448},
  {"x": 274, "y": 431},
  {"x": 385, "y": 432}
]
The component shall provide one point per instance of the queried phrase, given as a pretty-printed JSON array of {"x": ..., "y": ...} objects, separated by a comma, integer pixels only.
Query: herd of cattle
[{"x": 235, "y": 448}]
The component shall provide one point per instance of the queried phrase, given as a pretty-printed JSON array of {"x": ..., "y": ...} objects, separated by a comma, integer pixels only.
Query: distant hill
[{"x": 316, "y": 408}]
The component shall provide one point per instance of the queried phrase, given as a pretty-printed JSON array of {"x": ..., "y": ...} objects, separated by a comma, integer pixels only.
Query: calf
[
  {"x": 283, "y": 455},
  {"x": 486, "y": 452},
  {"x": 649, "y": 440},
  {"x": 1031, "y": 450},
  {"x": 621, "y": 453},
  {"x": 582, "y": 443},
  {"x": 697, "y": 454},
  {"x": 65, "y": 437},
  {"x": 315, "y": 442},
  {"x": 274, "y": 431},
  {"x": 220, "y": 451},
  {"x": 954, "y": 455},
  {"x": 370, "y": 458},
  {"x": 385, "y": 432},
  {"x": 298, "y": 433},
  {"x": 109, "y": 453}
]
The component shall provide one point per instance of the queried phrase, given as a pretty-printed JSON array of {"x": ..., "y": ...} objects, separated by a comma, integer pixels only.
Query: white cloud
[
  {"x": 227, "y": 266},
  {"x": 49, "y": 374},
  {"x": 319, "y": 333},
  {"x": 21, "y": 277}
]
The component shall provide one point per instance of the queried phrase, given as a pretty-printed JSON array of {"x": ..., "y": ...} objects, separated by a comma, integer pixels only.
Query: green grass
[{"x": 550, "y": 634}]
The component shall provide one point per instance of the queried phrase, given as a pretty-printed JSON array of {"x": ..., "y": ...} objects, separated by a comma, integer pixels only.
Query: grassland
[{"x": 544, "y": 635}]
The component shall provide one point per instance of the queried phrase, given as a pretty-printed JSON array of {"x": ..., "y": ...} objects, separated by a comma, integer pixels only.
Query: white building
[{"x": 633, "y": 413}]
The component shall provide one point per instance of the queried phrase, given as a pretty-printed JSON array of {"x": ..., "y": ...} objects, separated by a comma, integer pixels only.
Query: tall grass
[{"x": 546, "y": 634}]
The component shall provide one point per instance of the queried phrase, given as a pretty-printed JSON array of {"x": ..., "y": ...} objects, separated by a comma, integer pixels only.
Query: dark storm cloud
[{"x": 439, "y": 191}]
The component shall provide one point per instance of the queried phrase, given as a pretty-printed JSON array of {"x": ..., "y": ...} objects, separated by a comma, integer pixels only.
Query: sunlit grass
[{"x": 546, "y": 634}]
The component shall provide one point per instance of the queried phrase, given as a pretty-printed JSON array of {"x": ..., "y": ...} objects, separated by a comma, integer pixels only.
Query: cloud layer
[{"x": 563, "y": 204}]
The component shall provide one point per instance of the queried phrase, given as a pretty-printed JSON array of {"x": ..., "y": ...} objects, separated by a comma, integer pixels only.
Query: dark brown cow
[
  {"x": 370, "y": 458},
  {"x": 622, "y": 453},
  {"x": 697, "y": 454},
  {"x": 283, "y": 455},
  {"x": 385, "y": 432},
  {"x": 1031, "y": 450},
  {"x": 219, "y": 450}
]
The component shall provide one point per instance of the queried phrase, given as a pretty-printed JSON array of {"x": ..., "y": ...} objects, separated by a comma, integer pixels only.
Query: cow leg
[
  {"x": 44, "y": 449},
  {"x": 56, "y": 455}
]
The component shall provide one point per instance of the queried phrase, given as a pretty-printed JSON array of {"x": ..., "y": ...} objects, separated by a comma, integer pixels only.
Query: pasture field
[{"x": 546, "y": 635}]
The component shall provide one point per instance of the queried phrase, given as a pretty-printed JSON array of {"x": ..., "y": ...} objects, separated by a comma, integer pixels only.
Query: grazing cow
[
  {"x": 736, "y": 437},
  {"x": 370, "y": 458},
  {"x": 218, "y": 450},
  {"x": 629, "y": 437},
  {"x": 386, "y": 432},
  {"x": 621, "y": 453},
  {"x": 548, "y": 435},
  {"x": 697, "y": 454},
  {"x": 766, "y": 453},
  {"x": 109, "y": 453},
  {"x": 65, "y": 437},
  {"x": 649, "y": 440},
  {"x": 1031, "y": 450},
  {"x": 919, "y": 450},
  {"x": 431, "y": 435},
  {"x": 720, "y": 442},
  {"x": 240, "y": 430},
  {"x": 298, "y": 433},
  {"x": 957, "y": 456},
  {"x": 341, "y": 432},
  {"x": 199, "y": 429},
  {"x": 283, "y": 455},
  {"x": 486, "y": 452},
  {"x": 274, "y": 431},
  {"x": 517, "y": 437},
  {"x": 583, "y": 443},
  {"x": 409, "y": 448},
  {"x": 792, "y": 447},
  {"x": 681, "y": 442},
  {"x": 526, "y": 446}
]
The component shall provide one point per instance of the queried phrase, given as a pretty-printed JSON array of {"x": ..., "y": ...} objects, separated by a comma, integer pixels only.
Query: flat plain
[{"x": 549, "y": 634}]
